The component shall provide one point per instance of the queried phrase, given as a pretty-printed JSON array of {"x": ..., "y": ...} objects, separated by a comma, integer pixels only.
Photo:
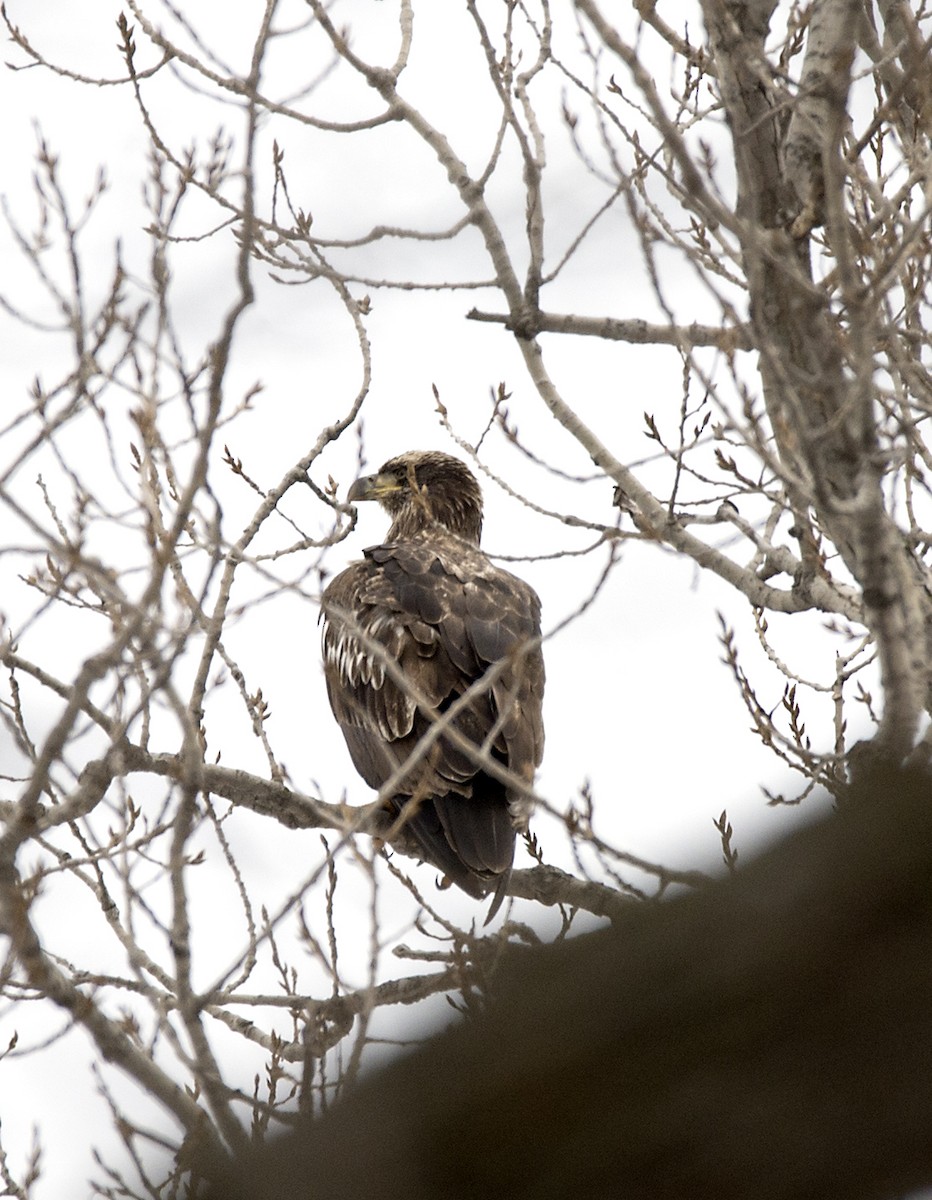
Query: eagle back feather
[{"x": 443, "y": 614}]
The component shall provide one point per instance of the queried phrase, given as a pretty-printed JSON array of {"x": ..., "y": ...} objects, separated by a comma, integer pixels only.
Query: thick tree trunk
[
  {"x": 768, "y": 1038},
  {"x": 817, "y": 372}
]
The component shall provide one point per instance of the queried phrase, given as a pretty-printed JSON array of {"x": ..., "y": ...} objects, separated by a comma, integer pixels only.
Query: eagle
[{"x": 425, "y": 625}]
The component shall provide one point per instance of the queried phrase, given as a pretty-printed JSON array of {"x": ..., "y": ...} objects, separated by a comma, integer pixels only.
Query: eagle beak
[{"x": 373, "y": 487}]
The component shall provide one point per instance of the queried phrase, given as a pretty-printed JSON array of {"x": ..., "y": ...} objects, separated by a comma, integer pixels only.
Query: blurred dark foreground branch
[{"x": 767, "y": 1037}]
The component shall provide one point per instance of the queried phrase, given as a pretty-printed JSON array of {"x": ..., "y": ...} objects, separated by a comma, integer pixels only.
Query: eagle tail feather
[
  {"x": 470, "y": 839},
  {"x": 479, "y": 827}
]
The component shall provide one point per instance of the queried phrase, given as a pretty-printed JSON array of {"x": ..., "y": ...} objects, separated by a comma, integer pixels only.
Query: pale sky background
[{"x": 638, "y": 701}]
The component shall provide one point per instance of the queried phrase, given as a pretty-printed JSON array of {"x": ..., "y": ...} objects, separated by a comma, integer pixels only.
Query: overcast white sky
[{"x": 638, "y": 701}]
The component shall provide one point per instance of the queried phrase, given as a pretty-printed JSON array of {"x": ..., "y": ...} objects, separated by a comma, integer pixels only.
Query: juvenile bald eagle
[{"x": 416, "y": 624}]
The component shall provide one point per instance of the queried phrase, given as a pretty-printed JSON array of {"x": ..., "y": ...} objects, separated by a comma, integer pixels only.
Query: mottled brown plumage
[{"x": 430, "y": 603}]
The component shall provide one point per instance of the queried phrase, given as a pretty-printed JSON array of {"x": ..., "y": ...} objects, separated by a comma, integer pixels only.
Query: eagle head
[{"x": 423, "y": 488}]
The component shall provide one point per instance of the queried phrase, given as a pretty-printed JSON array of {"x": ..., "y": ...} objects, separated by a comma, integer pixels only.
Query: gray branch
[{"x": 637, "y": 332}]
